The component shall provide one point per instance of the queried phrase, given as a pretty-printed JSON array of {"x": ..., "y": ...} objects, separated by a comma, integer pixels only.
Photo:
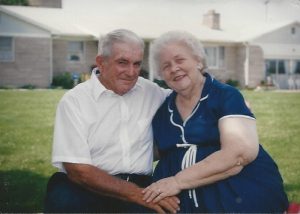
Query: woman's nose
[{"x": 174, "y": 67}]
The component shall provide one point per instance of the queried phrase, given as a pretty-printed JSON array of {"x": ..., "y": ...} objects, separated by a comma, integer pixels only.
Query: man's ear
[{"x": 99, "y": 61}]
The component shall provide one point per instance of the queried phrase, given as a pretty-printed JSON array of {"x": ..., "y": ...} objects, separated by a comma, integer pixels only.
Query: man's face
[{"x": 120, "y": 71}]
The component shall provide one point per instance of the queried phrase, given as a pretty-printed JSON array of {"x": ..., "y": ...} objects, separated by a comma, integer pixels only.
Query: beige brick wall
[
  {"x": 31, "y": 64},
  {"x": 229, "y": 70},
  {"x": 256, "y": 65},
  {"x": 91, "y": 51},
  {"x": 240, "y": 63},
  {"x": 61, "y": 63},
  {"x": 59, "y": 56}
]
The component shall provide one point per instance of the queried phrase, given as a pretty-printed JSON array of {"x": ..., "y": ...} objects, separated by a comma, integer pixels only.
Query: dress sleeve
[
  {"x": 233, "y": 105},
  {"x": 70, "y": 140}
]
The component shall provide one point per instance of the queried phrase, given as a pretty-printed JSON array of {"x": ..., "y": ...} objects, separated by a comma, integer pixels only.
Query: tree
[{"x": 14, "y": 2}]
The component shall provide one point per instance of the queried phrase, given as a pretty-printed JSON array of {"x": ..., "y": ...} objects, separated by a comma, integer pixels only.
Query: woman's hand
[{"x": 161, "y": 189}]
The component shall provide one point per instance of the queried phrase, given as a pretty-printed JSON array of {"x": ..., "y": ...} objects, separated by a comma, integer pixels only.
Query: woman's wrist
[{"x": 178, "y": 180}]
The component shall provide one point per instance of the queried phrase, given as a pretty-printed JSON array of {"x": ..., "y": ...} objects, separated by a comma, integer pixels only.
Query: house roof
[
  {"x": 149, "y": 19},
  {"x": 55, "y": 20},
  {"x": 250, "y": 33}
]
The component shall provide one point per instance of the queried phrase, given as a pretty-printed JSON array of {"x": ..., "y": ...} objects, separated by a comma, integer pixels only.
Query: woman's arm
[{"x": 239, "y": 147}]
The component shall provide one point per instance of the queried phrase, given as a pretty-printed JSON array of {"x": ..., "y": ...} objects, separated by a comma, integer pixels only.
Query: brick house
[{"x": 38, "y": 43}]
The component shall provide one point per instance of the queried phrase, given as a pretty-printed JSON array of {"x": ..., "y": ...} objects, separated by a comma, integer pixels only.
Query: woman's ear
[{"x": 200, "y": 66}]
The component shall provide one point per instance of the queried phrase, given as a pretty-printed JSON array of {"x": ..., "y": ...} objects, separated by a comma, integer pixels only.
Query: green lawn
[
  {"x": 278, "y": 122},
  {"x": 26, "y": 127}
]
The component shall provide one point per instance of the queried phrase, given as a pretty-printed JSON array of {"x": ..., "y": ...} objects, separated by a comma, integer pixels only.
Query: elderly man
[{"x": 103, "y": 138}]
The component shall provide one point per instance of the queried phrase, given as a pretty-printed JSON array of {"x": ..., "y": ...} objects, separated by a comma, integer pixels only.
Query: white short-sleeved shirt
[{"x": 98, "y": 127}]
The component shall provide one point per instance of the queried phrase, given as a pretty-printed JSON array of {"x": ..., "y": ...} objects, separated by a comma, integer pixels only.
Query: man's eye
[{"x": 138, "y": 64}]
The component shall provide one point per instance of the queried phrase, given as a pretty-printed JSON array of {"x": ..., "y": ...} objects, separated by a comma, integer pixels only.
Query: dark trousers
[{"x": 64, "y": 196}]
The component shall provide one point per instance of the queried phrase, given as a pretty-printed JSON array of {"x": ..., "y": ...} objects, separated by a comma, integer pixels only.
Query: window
[
  {"x": 271, "y": 66},
  {"x": 282, "y": 66},
  {"x": 6, "y": 49},
  {"x": 215, "y": 56},
  {"x": 296, "y": 67},
  {"x": 75, "y": 51}
]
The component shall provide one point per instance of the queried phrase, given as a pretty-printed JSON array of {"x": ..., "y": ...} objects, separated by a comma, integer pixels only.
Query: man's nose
[{"x": 132, "y": 70}]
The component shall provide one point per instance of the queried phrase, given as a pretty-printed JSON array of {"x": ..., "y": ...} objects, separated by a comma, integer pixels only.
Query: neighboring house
[
  {"x": 39, "y": 43},
  {"x": 281, "y": 47},
  {"x": 31, "y": 53}
]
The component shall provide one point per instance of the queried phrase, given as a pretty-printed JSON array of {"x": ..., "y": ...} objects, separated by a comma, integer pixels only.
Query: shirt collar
[{"x": 98, "y": 88}]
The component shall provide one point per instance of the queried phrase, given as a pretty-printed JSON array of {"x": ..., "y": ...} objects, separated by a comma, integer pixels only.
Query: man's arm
[{"x": 97, "y": 180}]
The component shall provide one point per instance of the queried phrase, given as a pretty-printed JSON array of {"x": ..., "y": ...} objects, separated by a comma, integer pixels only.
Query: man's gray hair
[
  {"x": 181, "y": 37},
  {"x": 117, "y": 36}
]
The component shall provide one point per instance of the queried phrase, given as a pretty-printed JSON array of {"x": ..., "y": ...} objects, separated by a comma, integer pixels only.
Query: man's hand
[
  {"x": 98, "y": 181},
  {"x": 168, "y": 204}
]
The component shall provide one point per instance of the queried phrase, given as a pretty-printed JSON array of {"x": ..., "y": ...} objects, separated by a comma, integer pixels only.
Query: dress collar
[
  {"x": 207, "y": 86},
  {"x": 204, "y": 95}
]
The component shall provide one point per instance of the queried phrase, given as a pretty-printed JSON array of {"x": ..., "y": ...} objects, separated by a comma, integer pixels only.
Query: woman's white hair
[
  {"x": 182, "y": 37},
  {"x": 117, "y": 36}
]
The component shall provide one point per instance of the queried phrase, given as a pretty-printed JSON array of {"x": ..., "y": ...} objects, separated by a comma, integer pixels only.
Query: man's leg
[{"x": 64, "y": 196}]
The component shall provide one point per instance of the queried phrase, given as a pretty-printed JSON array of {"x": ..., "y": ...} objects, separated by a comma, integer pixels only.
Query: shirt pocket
[{"x": 144, "y": 128}]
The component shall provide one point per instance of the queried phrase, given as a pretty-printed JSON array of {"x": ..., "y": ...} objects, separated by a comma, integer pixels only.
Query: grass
[
  {"x": 278, "y": 123},
  {"x": 26, "y": 128}
]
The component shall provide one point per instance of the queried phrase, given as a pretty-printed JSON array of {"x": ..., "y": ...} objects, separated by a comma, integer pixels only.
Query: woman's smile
[{"x": 179, "y": 77}]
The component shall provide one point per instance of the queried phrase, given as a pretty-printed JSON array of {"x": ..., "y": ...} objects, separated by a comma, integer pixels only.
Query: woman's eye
[
  {"x": 180, "y": 60},
  {"x": 165, "y": 67}
]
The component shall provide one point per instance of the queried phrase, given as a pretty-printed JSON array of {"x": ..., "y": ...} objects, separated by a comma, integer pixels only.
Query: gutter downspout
[
  {"x": 151, "y": 75},
  {"x": 246, "y": 64},
  {"x": 51, "y": 60}
]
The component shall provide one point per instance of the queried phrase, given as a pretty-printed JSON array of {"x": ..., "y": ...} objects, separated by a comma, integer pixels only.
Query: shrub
[
  {"x": 161, "y": 83},
  {"x": 14, "y": 2},
  {"x": 28, "y": 86},
  {"x": 63, "y": 80},
  {"x": 234, "y": 83}
]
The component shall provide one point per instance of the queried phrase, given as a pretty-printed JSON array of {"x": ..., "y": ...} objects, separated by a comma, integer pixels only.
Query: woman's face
[{"x": 178, "y": 67}]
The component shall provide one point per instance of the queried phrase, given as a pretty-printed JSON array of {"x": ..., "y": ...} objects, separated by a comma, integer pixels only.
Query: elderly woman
[{"x": 207, "y": 139}]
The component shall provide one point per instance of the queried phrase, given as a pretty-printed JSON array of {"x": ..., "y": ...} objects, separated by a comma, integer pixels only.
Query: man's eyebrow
[
  {"x": 138, "y": 62},
  {"x": 122, "y": 59}
]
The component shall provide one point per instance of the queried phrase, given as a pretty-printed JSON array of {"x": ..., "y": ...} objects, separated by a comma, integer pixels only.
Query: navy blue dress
[{"x": 257, "y": 188}]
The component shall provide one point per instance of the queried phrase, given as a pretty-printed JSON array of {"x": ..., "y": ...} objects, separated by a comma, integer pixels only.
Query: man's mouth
[{"x": 128, "y": 80}]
